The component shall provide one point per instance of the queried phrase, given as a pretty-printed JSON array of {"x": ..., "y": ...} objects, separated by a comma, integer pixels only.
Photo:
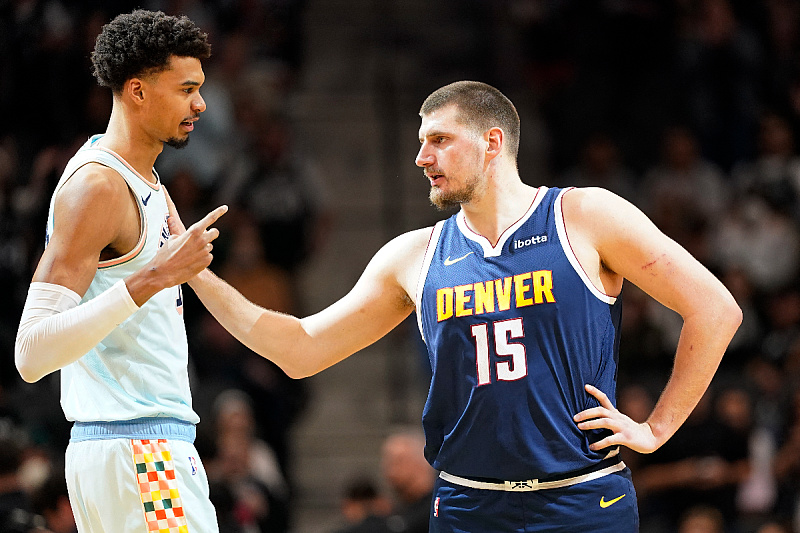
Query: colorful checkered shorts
[
  {"x": 138, "y": 486},
  {"x": 161, "y": 498}
]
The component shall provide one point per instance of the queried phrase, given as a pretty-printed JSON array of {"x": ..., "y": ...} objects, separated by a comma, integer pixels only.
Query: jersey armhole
[
  {"x": 433, "y": 242},
  {"x": 142, "y": 219},
  {"x": 570, "y": 253},
  {"x": 108, "y": 263}
]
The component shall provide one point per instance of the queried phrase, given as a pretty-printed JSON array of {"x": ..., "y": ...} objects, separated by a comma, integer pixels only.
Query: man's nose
[
  {"x": 199, "y": 104},
  {"x": 424, "y": 158}
]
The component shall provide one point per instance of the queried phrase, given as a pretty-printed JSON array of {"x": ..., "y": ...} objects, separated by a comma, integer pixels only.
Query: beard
[
  {"x": 445, "y": 200},
  {"x": 177, "y": 143}
]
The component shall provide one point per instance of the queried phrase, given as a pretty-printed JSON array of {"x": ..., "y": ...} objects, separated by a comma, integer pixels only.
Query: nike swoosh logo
[
  {"x": 604, "y": 503},
  {"x": 448, "y": 261},
  {"x": 145, "y": 200}
]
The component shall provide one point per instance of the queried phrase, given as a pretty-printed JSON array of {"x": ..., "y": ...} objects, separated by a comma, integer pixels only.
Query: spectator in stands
[
  {"x": 247, "y": 467},
  {"x": 774, "y": 174},
  {"x": 51, "y": 500},
  {"x": 703, "y": 463},
  {"x": 364, "y": 508},
  {"x": 601, "y": 165},
  {"x": 702, "y": 519},
  {"x": 719, "y": 61},
  {"x": 411, "y": 480},
  {"x": 685, "y": 194},
  {"x": 16, "y": 509}
]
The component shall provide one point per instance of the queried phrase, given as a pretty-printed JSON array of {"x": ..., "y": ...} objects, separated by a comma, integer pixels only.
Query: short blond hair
[{"x": 481, "y": 107}]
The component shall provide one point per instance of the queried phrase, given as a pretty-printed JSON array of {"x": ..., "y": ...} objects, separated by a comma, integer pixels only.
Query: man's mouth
[
  {"x": 433, "y": 177},
  {"x": 188, "y": 124}
]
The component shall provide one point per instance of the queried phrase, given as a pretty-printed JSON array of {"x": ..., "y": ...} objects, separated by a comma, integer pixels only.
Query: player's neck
[
  {"x": 503, "y": 203},
  {"x": 128, "y": 140}
]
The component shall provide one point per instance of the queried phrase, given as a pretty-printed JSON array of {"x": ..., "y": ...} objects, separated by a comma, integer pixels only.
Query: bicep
[
  {"x": 87, "y": 213},
  {"x": 372, "y": 308},
  {"x": 632, "y": 246},
  {"x": 380, "y": 300}
]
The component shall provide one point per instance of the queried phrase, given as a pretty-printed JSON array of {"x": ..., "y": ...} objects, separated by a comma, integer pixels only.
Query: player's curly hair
[{"x": 141, "y": 42}]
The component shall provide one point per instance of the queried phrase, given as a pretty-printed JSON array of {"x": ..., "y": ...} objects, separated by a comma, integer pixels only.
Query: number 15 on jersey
[{"x": 505, "y": 369}]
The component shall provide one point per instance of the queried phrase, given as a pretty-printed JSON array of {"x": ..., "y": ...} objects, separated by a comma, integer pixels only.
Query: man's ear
[
  {"x": 134, "y": 89},
  {"x": 495, "y": 138}
]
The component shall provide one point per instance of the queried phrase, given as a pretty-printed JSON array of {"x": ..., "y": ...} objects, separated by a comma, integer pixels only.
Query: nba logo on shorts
[
  {"x": 193, "y": 464},
  {"x": 436, "y": 507}
]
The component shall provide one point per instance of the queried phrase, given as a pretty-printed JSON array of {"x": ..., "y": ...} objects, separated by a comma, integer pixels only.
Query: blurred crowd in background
[{"x": 688, "y": 108}]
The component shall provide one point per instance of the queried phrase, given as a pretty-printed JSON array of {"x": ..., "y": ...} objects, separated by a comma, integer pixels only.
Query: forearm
[
  {"x": 55, "y": 331},
  {"x": 272, "y": 335},
  {"x": 703, "y": 341}
]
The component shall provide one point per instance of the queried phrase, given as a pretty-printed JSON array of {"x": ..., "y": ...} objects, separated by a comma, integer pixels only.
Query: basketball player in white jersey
[{"x": 105, "y": 304}]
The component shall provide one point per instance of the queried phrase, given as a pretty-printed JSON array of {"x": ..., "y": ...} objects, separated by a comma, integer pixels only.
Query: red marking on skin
[{"x": 653, "y": 262}]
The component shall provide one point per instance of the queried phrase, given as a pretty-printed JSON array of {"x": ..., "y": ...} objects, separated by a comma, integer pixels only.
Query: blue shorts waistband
[{"x": 137, "y": 428}]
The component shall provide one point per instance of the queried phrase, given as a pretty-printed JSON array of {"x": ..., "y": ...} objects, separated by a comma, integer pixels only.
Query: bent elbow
[
  {"x": 292, "y": 364},
  {"x": 29, "y": 377},
  {"x": 727, "y": 320},
  {"x": 24, "y": 360},
  {"x": 26, "y": 370},
  {"x": 302, "y": 360},
  {"x": 301, "y": 365},
  {"x": 297, "y": 374},
  {"x": 733, "y": 314},
  {"x": 299, "y": 371},
  {"x": 737, "y": 316}
]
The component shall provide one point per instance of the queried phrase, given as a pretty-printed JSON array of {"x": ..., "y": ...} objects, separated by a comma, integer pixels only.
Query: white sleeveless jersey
[{"x": 140, "y": 368}]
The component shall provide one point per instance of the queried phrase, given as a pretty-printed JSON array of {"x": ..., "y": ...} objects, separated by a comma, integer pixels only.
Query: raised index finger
[{"x": 210, "y": 218}]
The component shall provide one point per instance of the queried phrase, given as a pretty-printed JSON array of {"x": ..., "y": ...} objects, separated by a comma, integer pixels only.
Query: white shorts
[{"x": 124, "y": 485}]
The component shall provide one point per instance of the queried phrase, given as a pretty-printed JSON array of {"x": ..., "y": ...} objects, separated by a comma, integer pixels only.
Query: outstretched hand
[{"x": 626, "y": 432}]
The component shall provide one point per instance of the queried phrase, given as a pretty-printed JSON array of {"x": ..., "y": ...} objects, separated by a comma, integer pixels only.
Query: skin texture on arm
[
  {"x": 614, "y": 240},
  {"x": 380, "y": 300}
]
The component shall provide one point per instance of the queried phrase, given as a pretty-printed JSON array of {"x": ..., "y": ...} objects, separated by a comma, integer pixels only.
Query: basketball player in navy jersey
[{"x": 518, "y": 299}]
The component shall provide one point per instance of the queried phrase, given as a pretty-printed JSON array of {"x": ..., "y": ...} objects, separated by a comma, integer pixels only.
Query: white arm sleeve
[{"x": 55, "y": 331}]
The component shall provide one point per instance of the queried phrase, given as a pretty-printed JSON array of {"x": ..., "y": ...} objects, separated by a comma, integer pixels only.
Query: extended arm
[
  {"x": 379, "y": 301},
  {"x": 301, "y": 347},
  {"x": 628, "y": 245},
  {"x": 93, "y": 210}
]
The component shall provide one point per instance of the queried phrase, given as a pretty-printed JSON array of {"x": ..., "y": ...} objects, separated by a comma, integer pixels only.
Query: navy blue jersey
[{"x": 514, "y": 330}]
